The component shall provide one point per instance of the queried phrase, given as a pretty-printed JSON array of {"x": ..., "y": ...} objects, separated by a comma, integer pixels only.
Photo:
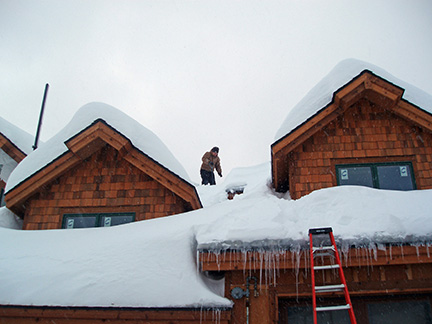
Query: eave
[
  {"x": 11, "y": 149},
  {"x": 84, "y": 144},
  {"x": 153, "y": 315},
  {"x": 287, "y": 259}
]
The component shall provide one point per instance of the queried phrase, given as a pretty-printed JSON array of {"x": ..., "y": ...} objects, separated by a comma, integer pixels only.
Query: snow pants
[{"x": 207, "y": 177}]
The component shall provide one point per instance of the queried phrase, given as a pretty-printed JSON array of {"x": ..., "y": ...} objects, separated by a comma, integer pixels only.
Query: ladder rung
[
  {"x": 325, "y": 267},
  {"x": 323, "y": 248},
  {"x": 330, "y": 288},
  {"x": 320, "y": 231},
  {"x": 332, "y": 308}
]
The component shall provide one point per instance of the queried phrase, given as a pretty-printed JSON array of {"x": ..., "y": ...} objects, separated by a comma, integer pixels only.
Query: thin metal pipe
[{"x": 35, "y": 145}]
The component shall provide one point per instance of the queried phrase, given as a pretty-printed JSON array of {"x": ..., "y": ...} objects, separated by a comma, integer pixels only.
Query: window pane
[
  {"x": 396, "y": 177},
  {"x": 418, "y": 312},
  {"x": 361, "y": 176},
  {"x": 304, "y": 315},
  {"x": 2, "y": 201},
  {"x": 80, "y": 221},
  {"x": 112, "y": 220}
]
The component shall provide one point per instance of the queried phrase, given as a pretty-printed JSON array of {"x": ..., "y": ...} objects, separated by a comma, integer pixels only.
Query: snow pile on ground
[
  {"x": 141, "y": 138},
  {"x": 21, "y": 139},
  {"x": 322, "y": 94},
  {"x": 153, "y": 263}
]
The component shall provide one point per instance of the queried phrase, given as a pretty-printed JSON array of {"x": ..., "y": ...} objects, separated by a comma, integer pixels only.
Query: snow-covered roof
[
  {"x": 9, "y": 220},
  {"x": 20, "y": 138},
  {"x": 140, "y": 137},
  {"x": 322, "y": 94},
  {"x": 142, "y": 264},
  {"x": 153, "y": 263},
  {"x": 261, "y": 218}
]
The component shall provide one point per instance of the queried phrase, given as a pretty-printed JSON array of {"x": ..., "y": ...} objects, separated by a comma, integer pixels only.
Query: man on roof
[{"x": 210, "y": 161}]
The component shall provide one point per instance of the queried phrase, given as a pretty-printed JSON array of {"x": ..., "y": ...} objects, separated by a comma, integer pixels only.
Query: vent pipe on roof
[{"x": 35, "y": 145}]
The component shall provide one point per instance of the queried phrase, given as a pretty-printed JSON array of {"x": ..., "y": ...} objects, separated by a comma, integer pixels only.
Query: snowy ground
[{"x": 152, "y": 263}]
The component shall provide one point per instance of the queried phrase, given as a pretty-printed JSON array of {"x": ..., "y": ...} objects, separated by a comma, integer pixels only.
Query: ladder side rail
[
  {"x": 313, "y": 279},
  {"x": 342, "y": 278}
]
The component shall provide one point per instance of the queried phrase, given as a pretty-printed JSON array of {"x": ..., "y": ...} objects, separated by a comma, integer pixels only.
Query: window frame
[
  {"x": 374, "y": 169},
  {"x": 98, "y": 217}
]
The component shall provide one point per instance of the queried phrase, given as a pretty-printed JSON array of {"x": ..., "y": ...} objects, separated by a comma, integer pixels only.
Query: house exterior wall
[
  {"x": 364, "y": 133},
  {"x": 83, "y": 315},
  {"x": 391, "y": 274},
  {"x": 103, "y": 183}
]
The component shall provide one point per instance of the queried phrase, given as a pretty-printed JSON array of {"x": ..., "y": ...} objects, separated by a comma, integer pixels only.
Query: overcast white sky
[{"x": 198, "y": 73}]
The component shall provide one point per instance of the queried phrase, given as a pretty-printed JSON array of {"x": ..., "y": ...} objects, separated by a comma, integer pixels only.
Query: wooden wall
[
  {"x": 365, "y": 133},
  {"x": 102, "y": 183},
  {"x": 71, "y": 315},
  {"x": 393, "y": 273}
]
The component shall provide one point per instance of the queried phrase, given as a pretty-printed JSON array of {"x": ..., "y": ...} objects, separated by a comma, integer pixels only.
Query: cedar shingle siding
[
  {"x": 101, "y": 183},
  {"x": 367, "y": 122},
  {"x": 365, "y": 133}
]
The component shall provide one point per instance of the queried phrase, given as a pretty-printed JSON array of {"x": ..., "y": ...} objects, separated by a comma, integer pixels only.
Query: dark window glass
[
  {"x": 361, "y": 176},
  {"x": 403, "y": 312},
  {"x": 112, "y": 220},
  {"x": 304, "y": 315},
  {"x": 2, "y": 201},
  {"x": 80, "y": 221},
  {"x": 96, "y": 220},
  {"x": 393, "y": 176},
  {"x": 397, "y": 177}
]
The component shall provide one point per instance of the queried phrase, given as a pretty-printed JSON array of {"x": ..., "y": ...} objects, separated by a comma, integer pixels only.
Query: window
[
  {"x": 402, "y": 312},
  {"x": 368, "y": 310},
  {"x": 96, "y": 220},
  {"x": 2, "y": 200},
  {"x": 304, "y": 315},
  {"x": 394, "y": 176}
]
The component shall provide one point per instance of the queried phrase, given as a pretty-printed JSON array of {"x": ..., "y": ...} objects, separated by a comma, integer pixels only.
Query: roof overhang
[
  {"x": 294, "y": 258},
  {"x": 152, "y": 315},
  {"x": 11, "y": 149},
  {"x": 84, "y": 144}
]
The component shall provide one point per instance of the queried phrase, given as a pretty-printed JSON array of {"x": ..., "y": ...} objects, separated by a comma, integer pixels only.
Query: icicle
[
  {"x": 427, "y": 250},
  {"x": 261, "y": 256},
  {"x": 297, "y": 252},
  {"x": 216, "y": 316},
  {"x": 345, "y": 251},
  {"x": 244, "y": 256},
  {"x": 217, "y": 254},
  {"x": 198, "y": 261}
]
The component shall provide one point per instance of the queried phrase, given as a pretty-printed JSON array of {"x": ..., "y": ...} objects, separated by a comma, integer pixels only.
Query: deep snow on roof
[
  {"x": 322, "y": 94},
  {"x": 141, "y": 138},
  {"x": 9, "y": 219},
  {"x": 261, "y": 218},
  {"x": 20, "y": 138},
  {"x": 142, "y": 264},
  {"x": 152, "y": 263}
]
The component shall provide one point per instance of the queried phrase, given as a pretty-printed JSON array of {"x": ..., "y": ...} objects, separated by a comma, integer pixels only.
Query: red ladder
[{"x": 332, "y": 252}]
